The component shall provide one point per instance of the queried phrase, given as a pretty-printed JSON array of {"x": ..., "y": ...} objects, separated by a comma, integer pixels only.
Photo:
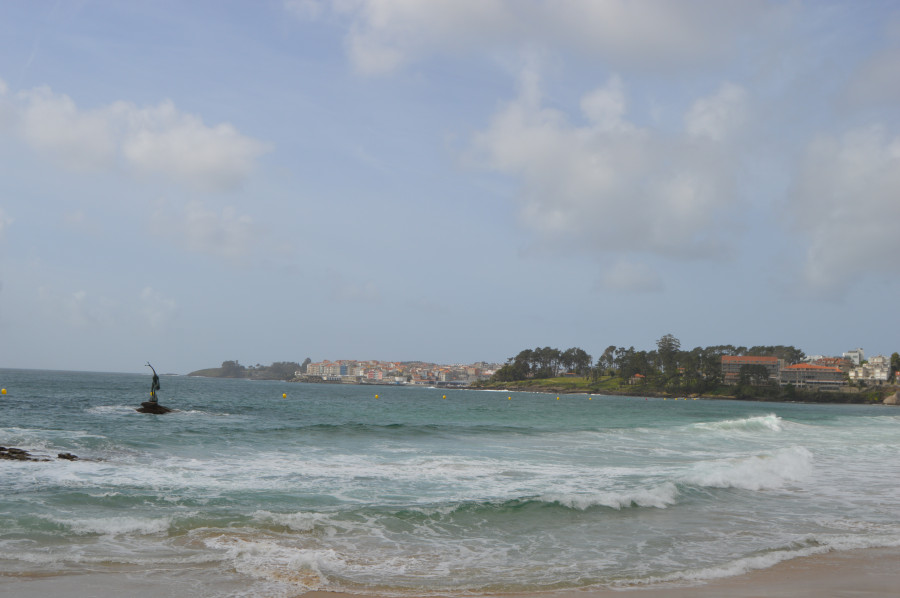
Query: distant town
[
  {"x": 350, "y": 371},
  {"x": 727, "y": 365},
  {"x": 394, "y": 372},
  {"x": 815, "y": 371}
]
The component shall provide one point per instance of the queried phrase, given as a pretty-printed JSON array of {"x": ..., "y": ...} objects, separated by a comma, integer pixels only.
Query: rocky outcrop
[
  {"x": 17, "y": 454},
  {"x": 894, "y": 399},
  {"x": 152, "y": 407}
]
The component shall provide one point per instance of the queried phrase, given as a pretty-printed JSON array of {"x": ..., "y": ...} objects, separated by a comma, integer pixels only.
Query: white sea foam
[
  {"x": 298, "y": 568},
  {"x": 299, "y": 522},
  {"x": 761, "y": 472},
  {"x": 115, "y": 526},
  {"x": 769, "y": 422},
  {"x": 96, "y": 555},
  {"x": 111, "y": 410},
  {"x": 196, "y": 412},
  {"x": 659, "y": 497}
]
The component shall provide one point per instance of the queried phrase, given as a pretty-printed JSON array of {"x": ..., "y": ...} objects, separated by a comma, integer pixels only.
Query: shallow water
[{"x": 334, "y": 489}]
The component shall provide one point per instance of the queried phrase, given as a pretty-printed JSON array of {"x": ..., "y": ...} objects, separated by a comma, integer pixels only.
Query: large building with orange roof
[
  {"x": 732, "y": 364},
  {"x": 807, "y": 374}
]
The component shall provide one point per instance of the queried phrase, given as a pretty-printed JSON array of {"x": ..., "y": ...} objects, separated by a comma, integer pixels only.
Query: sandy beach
[{"x": 869, "y": 573}]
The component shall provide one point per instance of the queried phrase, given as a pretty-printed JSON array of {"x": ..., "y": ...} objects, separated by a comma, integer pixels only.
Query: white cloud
[
  {"x": 611, "y": 185},
  {"x": 605, "y": 106},
  {"x": 156, "y": 140},
  {"x": 52, "y": 124},
  {"x": 718, "y": 116},
  {"x": 165, "y": 141},
  {"x": 386, "y": 34},
  {"x": 846, "y": 202},
  {"x": 647, "y": 33},
  {"x": 225, "y": 234}
]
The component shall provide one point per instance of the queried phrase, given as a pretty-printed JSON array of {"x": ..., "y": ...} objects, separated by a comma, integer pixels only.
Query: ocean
[{"x": 425, "y": 491}]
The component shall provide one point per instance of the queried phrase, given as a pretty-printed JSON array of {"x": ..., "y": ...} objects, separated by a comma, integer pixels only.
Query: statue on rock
[{"x": 153, "y": 406}]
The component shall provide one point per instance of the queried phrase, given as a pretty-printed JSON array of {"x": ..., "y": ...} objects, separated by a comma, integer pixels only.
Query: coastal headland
[
  {"x": 775, "y": 373},
  {"x": 888, "y": 394}
]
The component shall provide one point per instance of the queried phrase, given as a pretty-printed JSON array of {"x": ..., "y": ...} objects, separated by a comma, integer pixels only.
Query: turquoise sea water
[{"x": 413, "y": 493}]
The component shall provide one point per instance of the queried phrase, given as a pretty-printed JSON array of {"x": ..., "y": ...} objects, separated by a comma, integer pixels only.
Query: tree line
[{"x": 668, "y": 366}]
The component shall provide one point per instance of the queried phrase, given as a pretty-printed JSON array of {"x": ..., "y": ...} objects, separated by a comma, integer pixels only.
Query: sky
[{"x": 449, "y": 181}]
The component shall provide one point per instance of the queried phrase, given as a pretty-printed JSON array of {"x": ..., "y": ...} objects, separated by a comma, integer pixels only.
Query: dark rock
[
  {"x": 151, "y": 407},
  {"x": 15, "y": 454}
]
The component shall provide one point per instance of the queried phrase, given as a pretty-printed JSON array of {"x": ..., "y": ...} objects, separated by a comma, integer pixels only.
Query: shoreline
[
  {"x": 862, "y": 573},
  {"x": 839, "y": 397}
]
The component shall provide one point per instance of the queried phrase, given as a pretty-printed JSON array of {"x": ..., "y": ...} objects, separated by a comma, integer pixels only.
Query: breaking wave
[
  {"x": 760, "y": 472},
  {"x": 770, "y": 422},
  {"x": 658, "y": 497}
]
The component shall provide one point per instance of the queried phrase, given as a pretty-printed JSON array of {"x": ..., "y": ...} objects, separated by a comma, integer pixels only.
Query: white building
[
  {"x": 856, "y": 356},
  {"x": 876, "y": 371}
]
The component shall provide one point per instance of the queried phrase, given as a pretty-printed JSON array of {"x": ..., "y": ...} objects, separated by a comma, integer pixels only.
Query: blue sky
[{"x": 451, "y": 180}]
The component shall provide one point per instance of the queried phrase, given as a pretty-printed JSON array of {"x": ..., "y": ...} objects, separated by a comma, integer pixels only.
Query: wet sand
[{"x": 869, "y": 573}]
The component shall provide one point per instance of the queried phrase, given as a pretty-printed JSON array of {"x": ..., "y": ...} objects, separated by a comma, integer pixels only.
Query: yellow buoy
[
  {"x": 509, "y": 399},
  {"x": 590, "y": 398},
  {"x": 284, "y": 395},
  {"x": 444, "y": 397},
  {"x": 2, "y": 391},
  {"x": 376, "y": 396},
  {"x": 557, "y": 398}
]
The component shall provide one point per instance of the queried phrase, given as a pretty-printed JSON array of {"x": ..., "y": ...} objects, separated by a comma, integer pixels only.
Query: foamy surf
[
  {"x": 114, "y": 526},
  {"x": 658, "y": 497},
  {"x": 767, "y": 471},
  {"x": 770, "y": 422}
]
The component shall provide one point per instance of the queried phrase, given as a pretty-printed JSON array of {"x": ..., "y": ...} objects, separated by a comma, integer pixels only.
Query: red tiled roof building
[
  {"x": 732, "y": 364},
  {"x": 805, "y": 374}
]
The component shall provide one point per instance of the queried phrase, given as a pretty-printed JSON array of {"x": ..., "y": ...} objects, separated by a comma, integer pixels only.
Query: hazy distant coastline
[
  {"x": 608, "y": 385},
  {"x": 776, "y": 373}
]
